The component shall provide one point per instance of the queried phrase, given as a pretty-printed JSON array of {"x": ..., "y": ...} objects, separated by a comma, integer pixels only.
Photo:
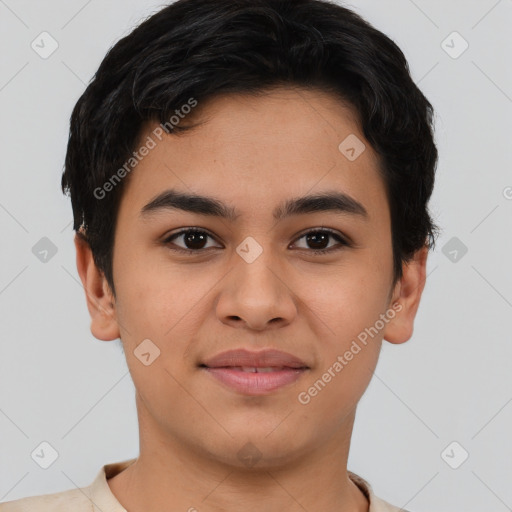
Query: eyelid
[
  {"x": 342, "y": 243},
  {"x": 344, "y": 239},
  {"x": 182, "y": 231}
]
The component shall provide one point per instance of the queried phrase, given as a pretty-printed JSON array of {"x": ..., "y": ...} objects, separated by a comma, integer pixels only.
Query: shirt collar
[{"x": 104, "y": 500}]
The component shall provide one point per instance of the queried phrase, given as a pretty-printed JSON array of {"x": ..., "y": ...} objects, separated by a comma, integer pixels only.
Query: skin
[{"x": 255, "y": 153}]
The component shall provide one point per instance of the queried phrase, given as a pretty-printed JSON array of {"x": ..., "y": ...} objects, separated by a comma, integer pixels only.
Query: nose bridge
[
  {"x": 255, "y": 291},
  {"x": 256, "y": 267}
]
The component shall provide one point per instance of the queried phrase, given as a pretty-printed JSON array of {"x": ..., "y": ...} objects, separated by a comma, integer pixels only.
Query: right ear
[{"x": 100, "y": 299}]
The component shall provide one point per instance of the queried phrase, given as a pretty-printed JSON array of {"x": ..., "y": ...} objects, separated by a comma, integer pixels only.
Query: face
[{"x": 310, "y": 279}]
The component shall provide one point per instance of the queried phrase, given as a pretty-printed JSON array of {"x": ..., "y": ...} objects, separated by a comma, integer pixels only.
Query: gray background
[{"x": 450, "y": 382}]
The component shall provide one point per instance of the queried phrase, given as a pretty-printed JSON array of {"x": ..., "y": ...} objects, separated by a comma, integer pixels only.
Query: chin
[{"x": 257, "y": 449}]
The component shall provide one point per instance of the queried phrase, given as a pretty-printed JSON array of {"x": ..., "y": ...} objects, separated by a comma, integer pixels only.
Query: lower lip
[{"x": 253, "y": 383}]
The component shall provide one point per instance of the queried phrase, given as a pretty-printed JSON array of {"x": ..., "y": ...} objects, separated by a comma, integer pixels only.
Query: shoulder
[
  {"x": 379, "y": 505},
  {"x": 96, "y": 497},
  {"x": 64, "y": 501},
  {"x": 376, "y": 504}
]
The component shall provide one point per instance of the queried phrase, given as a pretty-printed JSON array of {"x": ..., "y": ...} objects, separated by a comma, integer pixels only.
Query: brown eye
[
  {"x": 192, "y": 240},
  {"x": 318, "y": 241}
]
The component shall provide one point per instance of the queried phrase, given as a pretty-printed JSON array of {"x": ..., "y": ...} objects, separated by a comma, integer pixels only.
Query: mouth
[
  {"x": 253, "y": 369},
  {"x": 255, "y": 373}
]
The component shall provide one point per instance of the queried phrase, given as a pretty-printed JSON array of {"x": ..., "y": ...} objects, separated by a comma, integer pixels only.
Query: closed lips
[
  {"x": 255, "y": 373},
  {"x": 256, "y": 369},
  {"x": 248, "y": 361}
]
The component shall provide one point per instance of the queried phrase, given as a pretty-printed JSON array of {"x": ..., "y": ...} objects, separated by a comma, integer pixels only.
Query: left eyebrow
[{"x": 203, "y": 205}]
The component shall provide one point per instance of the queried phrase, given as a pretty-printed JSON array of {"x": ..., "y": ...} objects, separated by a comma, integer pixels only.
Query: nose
[{"x": 256, "y": 295}]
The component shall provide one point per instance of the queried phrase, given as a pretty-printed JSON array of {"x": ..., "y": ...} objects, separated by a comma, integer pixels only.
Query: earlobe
[
  {"x": 99, "y": 297},
  {"x": 406, "y": 296}
]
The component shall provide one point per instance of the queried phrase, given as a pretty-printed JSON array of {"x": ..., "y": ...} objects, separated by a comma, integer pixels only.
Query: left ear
[{"x": 406, "y": 298}]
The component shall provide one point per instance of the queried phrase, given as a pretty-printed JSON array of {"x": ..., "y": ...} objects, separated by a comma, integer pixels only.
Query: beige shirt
[{"x": 97, "y": 497}]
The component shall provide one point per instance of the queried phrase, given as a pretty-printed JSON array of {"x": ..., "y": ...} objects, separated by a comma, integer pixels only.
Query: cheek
[
  {"x": 349, "y": 299},
  {"x": 151, "y": 310},
  {"x": 348, "y": 306},
  {"x": 348, "y": 347},
  {"x": 164, "y": 306},
  {"x": 150, "y": 297}
]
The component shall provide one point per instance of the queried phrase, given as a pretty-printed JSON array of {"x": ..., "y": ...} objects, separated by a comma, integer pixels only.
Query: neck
[{"x": 169, "y": 472}]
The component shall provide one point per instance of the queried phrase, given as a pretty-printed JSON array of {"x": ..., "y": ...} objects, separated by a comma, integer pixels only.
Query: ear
[
  {"x": 406, "y": 298},
  {"x": 100, "y": 299}
]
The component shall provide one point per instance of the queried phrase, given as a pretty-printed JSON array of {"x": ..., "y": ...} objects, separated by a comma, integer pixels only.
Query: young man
[{"x": 250, "y": 183}]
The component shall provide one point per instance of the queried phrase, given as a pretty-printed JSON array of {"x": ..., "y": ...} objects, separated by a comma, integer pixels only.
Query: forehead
[{"x": 255, "y": 150}]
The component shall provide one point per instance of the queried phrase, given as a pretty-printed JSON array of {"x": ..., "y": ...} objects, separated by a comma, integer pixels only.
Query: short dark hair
[{"x": 204, "y": 48}]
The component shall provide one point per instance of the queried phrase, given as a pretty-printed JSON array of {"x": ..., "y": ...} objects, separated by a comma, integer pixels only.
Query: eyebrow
[{"x": 334, "y": 201}]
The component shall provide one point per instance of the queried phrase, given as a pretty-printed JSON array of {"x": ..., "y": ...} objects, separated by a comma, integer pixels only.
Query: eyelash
[{"x": 316, "y": 252}]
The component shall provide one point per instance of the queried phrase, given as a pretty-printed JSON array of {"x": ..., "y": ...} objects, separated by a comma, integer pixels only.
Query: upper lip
[{"x": 263, "y": 359}]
